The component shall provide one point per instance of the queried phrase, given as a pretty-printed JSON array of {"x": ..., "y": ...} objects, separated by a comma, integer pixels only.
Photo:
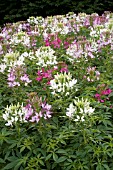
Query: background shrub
[{"x": 13, "y": 10}]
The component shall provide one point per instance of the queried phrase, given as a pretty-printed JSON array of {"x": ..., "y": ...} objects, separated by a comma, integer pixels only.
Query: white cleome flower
[
  {"x": 13, "y": 114},
  {"x": 13, "y": 59},
  {"x": 20, "y": 38},
  {"x": 62, "y": 83},
  {"x": 2, "y": 67},
  {"x": 44, "y": 56},
  {"x": 79, "y": 109},
  {"x": 70, "y": 110}
]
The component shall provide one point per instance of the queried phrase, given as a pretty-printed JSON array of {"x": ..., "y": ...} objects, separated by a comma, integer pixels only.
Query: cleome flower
[
  {"x": 62, "y": 84},
  {"x": 14, "y": 114},
  {"x": 92, "y": 74},
  {"x": 45, "y": 56},
  {"x": 19, "y": 114},
  {"x": 36, "y": 109},
  {"x": 13, "y": 59},
  {"x": 34, "y": 115},
  {"x": 2, "y": 67},
  {"x": 20, "y": 38},
  {"x": 79, "y": 109},
  {"x": 17, "y": 76}
]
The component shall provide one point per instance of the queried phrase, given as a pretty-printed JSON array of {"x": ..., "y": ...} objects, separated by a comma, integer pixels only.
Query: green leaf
[
  {"x": 106, "y": 166},
  {"x": 12, "y": 158},
  {"x": 28, "y": 147},
  {"x": 41, "y": 162},
  {"x": 61, "y": 151},
  {"x": 49, "y": 156},
  {"x": 61, "y": 159},
  {"x": 55, "y": 119},
  {"x": 7, "y": 154},
  {"x": 63, "y": 142},
  {"x": 69, "y": 167},
  {"x": 12, "y": 146},
  {"x": 18, "y": 166},
  {"x": 22, "y": 149},
  {"x": 43, "y": 152},
  {"x": 99, "y": 167},
  {"x": 69, "y": 160},
  {"x": 2, "y": 161},
  {"x": 111, "y": 94},
  {"x": 55, "y": 157},
  {"x": 11, "y": 165}
]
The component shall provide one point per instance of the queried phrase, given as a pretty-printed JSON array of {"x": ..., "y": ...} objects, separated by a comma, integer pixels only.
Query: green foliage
[
  {"x": 12, "y": 10},
  {"x": 59, "y": 145},
  {"x": 58, "y": 142}
]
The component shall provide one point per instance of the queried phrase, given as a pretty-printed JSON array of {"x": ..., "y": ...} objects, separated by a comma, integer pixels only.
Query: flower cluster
[
  {"x": 81, "y": 49},
  {"x": 14, "y": 114},
  {"x": 38, "y": 20},
  {"x": 32, "y": 115},
  {"x": 53, "y": 40},
  {"x": 20, "y": 38},
  {"x": 37, "y": 109},
  {"x": 48, "y": 74},
  {"x": 32, "y": 52},
  {"x": 45, "y": 75},
  {"x": 103, "y": 94},
  {"x": 11, "y": 60},
  {"x": 92, "y": 74},
  {"x": 45, "y": 56},
  {"x": 2, "y": 67},
  {"x": 62, "y": 84},
  {"x": 79, "y": 109},
  {"x": 16, "y": 76}
]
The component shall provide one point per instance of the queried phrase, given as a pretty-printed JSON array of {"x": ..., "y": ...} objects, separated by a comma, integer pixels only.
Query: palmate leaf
[
  {"x": 55, "y": 157},
  {"x": 17, "y": 167},
  {"x": 62, "y": 159},
  {"x": 2, "y": 161},
  {"x": 4, "y": 136},
  {"x": 62, "y": 151},
  {"x": 48, "y": 157},
  {"x": 15, "y": 163},
  {"x": 11, "y": 165},
  {"x": 106, "y": 166}
]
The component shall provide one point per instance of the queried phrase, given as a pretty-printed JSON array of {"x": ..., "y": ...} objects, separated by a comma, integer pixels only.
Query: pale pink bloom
[
  {"x": 11, "y": 76},
  {"x": 25, "y": 78},
  {"x": 13, "y": 84},
  {"x": 91, "y": 55},
  {"x": 47, "y": 115}
]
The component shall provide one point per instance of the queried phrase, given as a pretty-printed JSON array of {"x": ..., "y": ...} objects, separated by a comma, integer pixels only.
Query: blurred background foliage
[{"x": 20, "y": 10}]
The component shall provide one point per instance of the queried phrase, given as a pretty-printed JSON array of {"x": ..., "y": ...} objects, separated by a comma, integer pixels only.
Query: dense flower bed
[{"x": 56, "y": 93}]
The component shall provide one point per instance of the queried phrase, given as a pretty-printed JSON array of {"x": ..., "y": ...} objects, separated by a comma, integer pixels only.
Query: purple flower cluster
[
  {"x": 12, "y": 79},
  {"x": 92, "y": 74},
  {"x": 32, "y": 115},
  {"x": 15, "y": 79}
]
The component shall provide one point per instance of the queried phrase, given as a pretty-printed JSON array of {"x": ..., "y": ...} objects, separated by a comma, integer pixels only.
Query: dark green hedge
[{"x": 15, "y": 10}]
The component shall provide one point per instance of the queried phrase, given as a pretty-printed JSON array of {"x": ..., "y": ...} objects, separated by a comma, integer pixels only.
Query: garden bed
[{"x": 56, "y": 93}]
